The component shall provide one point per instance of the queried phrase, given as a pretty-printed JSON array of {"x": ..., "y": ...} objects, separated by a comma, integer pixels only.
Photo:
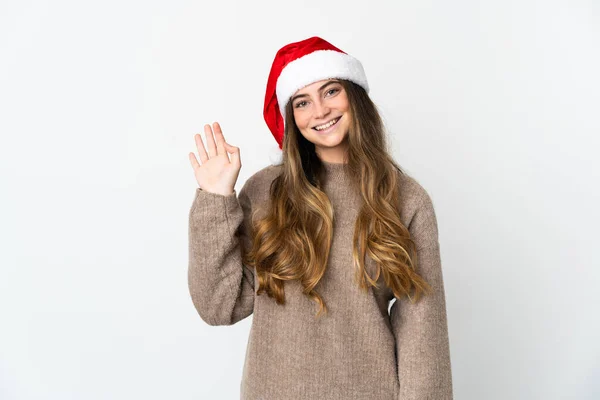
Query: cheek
[
  {"x": 301, "y": 121},
  {"x": 346, "y": 125},
  {"x": 344, "y": 105}
]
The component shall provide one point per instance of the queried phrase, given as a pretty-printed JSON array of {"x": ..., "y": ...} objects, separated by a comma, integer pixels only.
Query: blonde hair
[{"x": 292, "y": 241}]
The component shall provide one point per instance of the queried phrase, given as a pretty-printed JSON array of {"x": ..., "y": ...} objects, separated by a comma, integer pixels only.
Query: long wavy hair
[{"x": 292, "y": 241}]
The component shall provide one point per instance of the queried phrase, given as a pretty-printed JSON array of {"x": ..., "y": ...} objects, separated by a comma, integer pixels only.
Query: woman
[{"x": 318, "y": 246}]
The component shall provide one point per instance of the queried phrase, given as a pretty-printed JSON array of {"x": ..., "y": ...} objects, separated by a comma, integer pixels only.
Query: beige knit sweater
[{"x": 357, "y": 350}]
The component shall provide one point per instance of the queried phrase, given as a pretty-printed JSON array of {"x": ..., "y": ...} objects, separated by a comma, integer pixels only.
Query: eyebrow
[{"x": 321, "y": 88}]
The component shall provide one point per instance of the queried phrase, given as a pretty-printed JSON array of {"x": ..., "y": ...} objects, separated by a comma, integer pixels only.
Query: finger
[
  {"x": 193, "y": 161},
  {"x": 220, "y": 139},
  {"x": 200, "y": 147},
  {"x": 210, "y": 141}
]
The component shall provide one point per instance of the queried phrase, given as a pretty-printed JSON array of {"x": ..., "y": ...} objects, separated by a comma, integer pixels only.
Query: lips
[{"x": 329, "y": 127}]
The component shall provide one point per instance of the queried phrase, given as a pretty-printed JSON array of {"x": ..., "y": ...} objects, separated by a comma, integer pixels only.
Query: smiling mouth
[{"x": 335, "y": 121}]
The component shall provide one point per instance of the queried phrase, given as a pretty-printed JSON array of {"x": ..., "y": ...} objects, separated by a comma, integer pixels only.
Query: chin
[{"x": 330, "y": 142}]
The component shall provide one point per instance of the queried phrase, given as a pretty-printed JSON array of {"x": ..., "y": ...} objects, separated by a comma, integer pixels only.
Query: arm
[
  {"x": 221, "y": 287},
  {"x": 420, "y": 329}
]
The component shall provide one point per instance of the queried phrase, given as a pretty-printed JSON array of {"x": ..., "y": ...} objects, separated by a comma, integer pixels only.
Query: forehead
[{"x": 313, "y": 87}]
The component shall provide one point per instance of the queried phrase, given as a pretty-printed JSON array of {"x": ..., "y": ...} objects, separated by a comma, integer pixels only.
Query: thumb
[{"x": 234, "y": 151}]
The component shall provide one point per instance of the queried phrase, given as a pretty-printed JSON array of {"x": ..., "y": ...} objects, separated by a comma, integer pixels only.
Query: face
[{"x": 316, "y": 107}]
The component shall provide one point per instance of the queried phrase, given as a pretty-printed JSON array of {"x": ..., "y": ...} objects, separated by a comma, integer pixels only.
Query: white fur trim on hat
[{"x": 316, "y": 66}]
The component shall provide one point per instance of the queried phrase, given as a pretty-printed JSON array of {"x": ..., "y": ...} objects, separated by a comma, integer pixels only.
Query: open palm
[{"x": 216, "y": 172}]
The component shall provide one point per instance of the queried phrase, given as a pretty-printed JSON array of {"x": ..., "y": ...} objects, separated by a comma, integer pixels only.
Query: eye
[
  {"x": 335, "y": 90},
  {"x": 298, "y": 104}
]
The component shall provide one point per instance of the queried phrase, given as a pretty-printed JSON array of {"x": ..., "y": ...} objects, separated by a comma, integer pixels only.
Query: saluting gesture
[{"x": 216, "y": 173}]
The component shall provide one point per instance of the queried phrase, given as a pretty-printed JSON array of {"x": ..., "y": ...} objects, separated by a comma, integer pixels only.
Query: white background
[{"x": 493, "y": 106}]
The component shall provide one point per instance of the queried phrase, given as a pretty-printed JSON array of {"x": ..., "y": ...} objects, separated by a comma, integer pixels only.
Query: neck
[{"x": 335, "y": 172}]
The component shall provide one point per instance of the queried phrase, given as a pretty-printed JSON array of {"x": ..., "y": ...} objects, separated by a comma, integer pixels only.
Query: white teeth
[{"x": 327, "y": 125}]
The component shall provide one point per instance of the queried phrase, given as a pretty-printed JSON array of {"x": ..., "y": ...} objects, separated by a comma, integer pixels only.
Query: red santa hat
[{"x": 299, "y": 64}]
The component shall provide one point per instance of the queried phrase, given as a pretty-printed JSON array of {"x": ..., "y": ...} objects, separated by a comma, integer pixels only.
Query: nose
[{"x": 321, "y": 109}]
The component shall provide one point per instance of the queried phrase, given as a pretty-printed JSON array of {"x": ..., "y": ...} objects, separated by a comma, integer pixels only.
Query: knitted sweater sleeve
[
  {"x": 221, "y": 287},
  {"x": 420, "y": 329}
]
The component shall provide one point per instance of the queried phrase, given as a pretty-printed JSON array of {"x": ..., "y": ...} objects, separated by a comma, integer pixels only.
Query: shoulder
[
  {"x": 416, "y": 204},
  {"x": 257, "y": 186}
]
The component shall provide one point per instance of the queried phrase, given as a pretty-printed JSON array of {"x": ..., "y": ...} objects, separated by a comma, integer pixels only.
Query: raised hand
[{"x": 216, "y": 173}]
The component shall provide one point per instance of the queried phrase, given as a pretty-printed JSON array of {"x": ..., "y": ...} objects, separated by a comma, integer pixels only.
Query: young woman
[{"x": 319, "y": 246}]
